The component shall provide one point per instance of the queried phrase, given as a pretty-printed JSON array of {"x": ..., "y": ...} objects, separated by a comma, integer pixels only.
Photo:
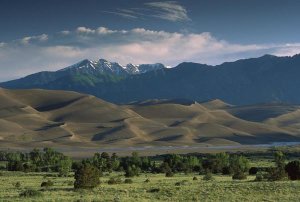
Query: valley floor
[{"x": 160, "y": 188}]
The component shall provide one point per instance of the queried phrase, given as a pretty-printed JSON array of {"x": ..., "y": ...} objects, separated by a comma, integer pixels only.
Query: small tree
[
  {"x": 239, "y": 166},
  {"x": 293, "y": 170},
  {"x": 87, "y": 177},
  {"x": 220, "y": 162},
  {"x": 132, "y": 171},
  {"x": 64, "y": 167},
  {"x": 278, "y": 173}
]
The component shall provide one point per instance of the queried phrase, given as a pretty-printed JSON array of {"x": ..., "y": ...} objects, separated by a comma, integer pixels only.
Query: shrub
[
  {"x": 259, "y": 177},
  {"x": 208, "y": 176},
  {"x": 87, "y": 177},
  {"x": 169, "y": 174},
  {"x": 15, "y": 166},
  {"x": 147, "y": 181},
  {"x": 276, "y": 174},
  {"x": 239, "y": 164},
  {"x": 17, "y": 185},
  {"x": 183, "y": 182},
  {"x": 226, "y": 170},
  {"x": 132, "y": 171},
  {"x": 195, "y": 178},
  {"x": 114, "y": 180},
  {"x": 47, "y": 184},
  {"x": 30, "y": 193},
  {"x": 153, "y": 190},
  {"x": 239, "y": 175},
  {"x": 128, "y": 181},
  {"x": 293, "y": 170},
  {"x": 253, "y": 170},
  {"x": 64, "y": 167}
]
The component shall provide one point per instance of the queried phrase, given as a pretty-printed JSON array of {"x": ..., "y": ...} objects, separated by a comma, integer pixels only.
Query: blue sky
[{"x": 48, "y": 35}]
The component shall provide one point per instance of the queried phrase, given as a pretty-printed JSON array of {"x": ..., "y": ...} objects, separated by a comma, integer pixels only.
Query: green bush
[
  {"x": 169, "y": 174},
  {"x": 259, "y": 177},
  {"x": 153, "y": 190},
  {"x": 208, "y": 176},
  {"x": 17, "y": 185},
  {"x": 30, "y": 193},
  {"x": 128, "y": 181},
  {"x": 132, "y": 171},
  {"x": 183, "y": 182},
  {"x": 226, "y": 170},
  {"x": 253, "y": 170},
  {"x": 114, "y": 180},
  {"x": 276, "y": 174},
  {"x": 47, "y": 184},
  {"x": 293, "y": 170},
  {"x": 87, "y": 177},
  {"x": 239, "y": 175}
]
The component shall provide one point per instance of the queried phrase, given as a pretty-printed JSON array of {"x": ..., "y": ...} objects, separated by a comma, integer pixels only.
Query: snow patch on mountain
[{"x": 104, "y": 66}]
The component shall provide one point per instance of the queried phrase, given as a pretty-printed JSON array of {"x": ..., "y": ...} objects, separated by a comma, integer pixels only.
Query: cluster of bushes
[
  {"x": 48, "y": 160},
  {"x": 45, "y": 160},
  {"x": 221, "y": 163},
  {"x": 281, "y": 170},
  {"x": 104, "y": 162},
  {"x": 135, "y": 164}
]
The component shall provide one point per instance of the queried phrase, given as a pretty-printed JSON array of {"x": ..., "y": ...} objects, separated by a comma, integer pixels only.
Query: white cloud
[
  {"x": 287, "y": 49},
  {"x": 123, "y": 13},
  {"x": 166, "y": 10},
  {"x": 169, "y": 10},
  {"x": 2, "y": 44},
  {"x": 40, "y": 38},
  {"x": 25, "y": 40},
  {"x": 137, "y": 45},
  {"x": 84, "y": 30},
  {"x": 65, "y": 32},
  {"x": 104, "y": 30}
]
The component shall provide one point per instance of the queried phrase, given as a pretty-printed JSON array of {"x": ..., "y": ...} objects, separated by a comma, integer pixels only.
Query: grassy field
[{"x": 160, "y": 188}]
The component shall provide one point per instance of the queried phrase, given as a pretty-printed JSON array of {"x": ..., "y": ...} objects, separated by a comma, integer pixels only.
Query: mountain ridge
[{"x": 246, "y": 81}]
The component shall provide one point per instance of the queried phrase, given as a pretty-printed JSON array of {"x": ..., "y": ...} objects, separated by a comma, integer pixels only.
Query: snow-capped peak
[{"x": 104, "y": 66}]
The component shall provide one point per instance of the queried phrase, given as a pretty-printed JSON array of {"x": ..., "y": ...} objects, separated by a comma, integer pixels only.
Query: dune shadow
[
  {"x": 103, "y": 135},
  {"x": 49, "y": 126},
  {"x": 56, "y": 105}
]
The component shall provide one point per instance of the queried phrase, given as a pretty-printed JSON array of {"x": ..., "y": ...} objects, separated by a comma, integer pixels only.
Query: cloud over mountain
[{"x": 53, "y": 51}]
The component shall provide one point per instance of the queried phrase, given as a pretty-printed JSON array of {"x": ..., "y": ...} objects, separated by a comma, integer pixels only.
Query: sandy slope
[{"x": 62, "y": 118}]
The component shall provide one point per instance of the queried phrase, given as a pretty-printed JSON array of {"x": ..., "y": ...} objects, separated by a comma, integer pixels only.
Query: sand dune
[{"x": 30, "y": 118}]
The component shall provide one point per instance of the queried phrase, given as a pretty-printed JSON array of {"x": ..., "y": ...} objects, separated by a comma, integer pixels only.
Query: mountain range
[
  {"x": 64, "y": 119},
  {"x": 266, "y": 79}
]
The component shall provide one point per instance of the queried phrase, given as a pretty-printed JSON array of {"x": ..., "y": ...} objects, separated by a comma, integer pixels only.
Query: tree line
[{"x": 238, "y": 166}]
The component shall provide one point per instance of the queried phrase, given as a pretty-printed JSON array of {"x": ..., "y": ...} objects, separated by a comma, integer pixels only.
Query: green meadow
[{"x": 180, "y": 187}]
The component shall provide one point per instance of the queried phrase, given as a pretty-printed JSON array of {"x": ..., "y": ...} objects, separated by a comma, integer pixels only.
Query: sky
[{"x": 51, "y": 34}]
